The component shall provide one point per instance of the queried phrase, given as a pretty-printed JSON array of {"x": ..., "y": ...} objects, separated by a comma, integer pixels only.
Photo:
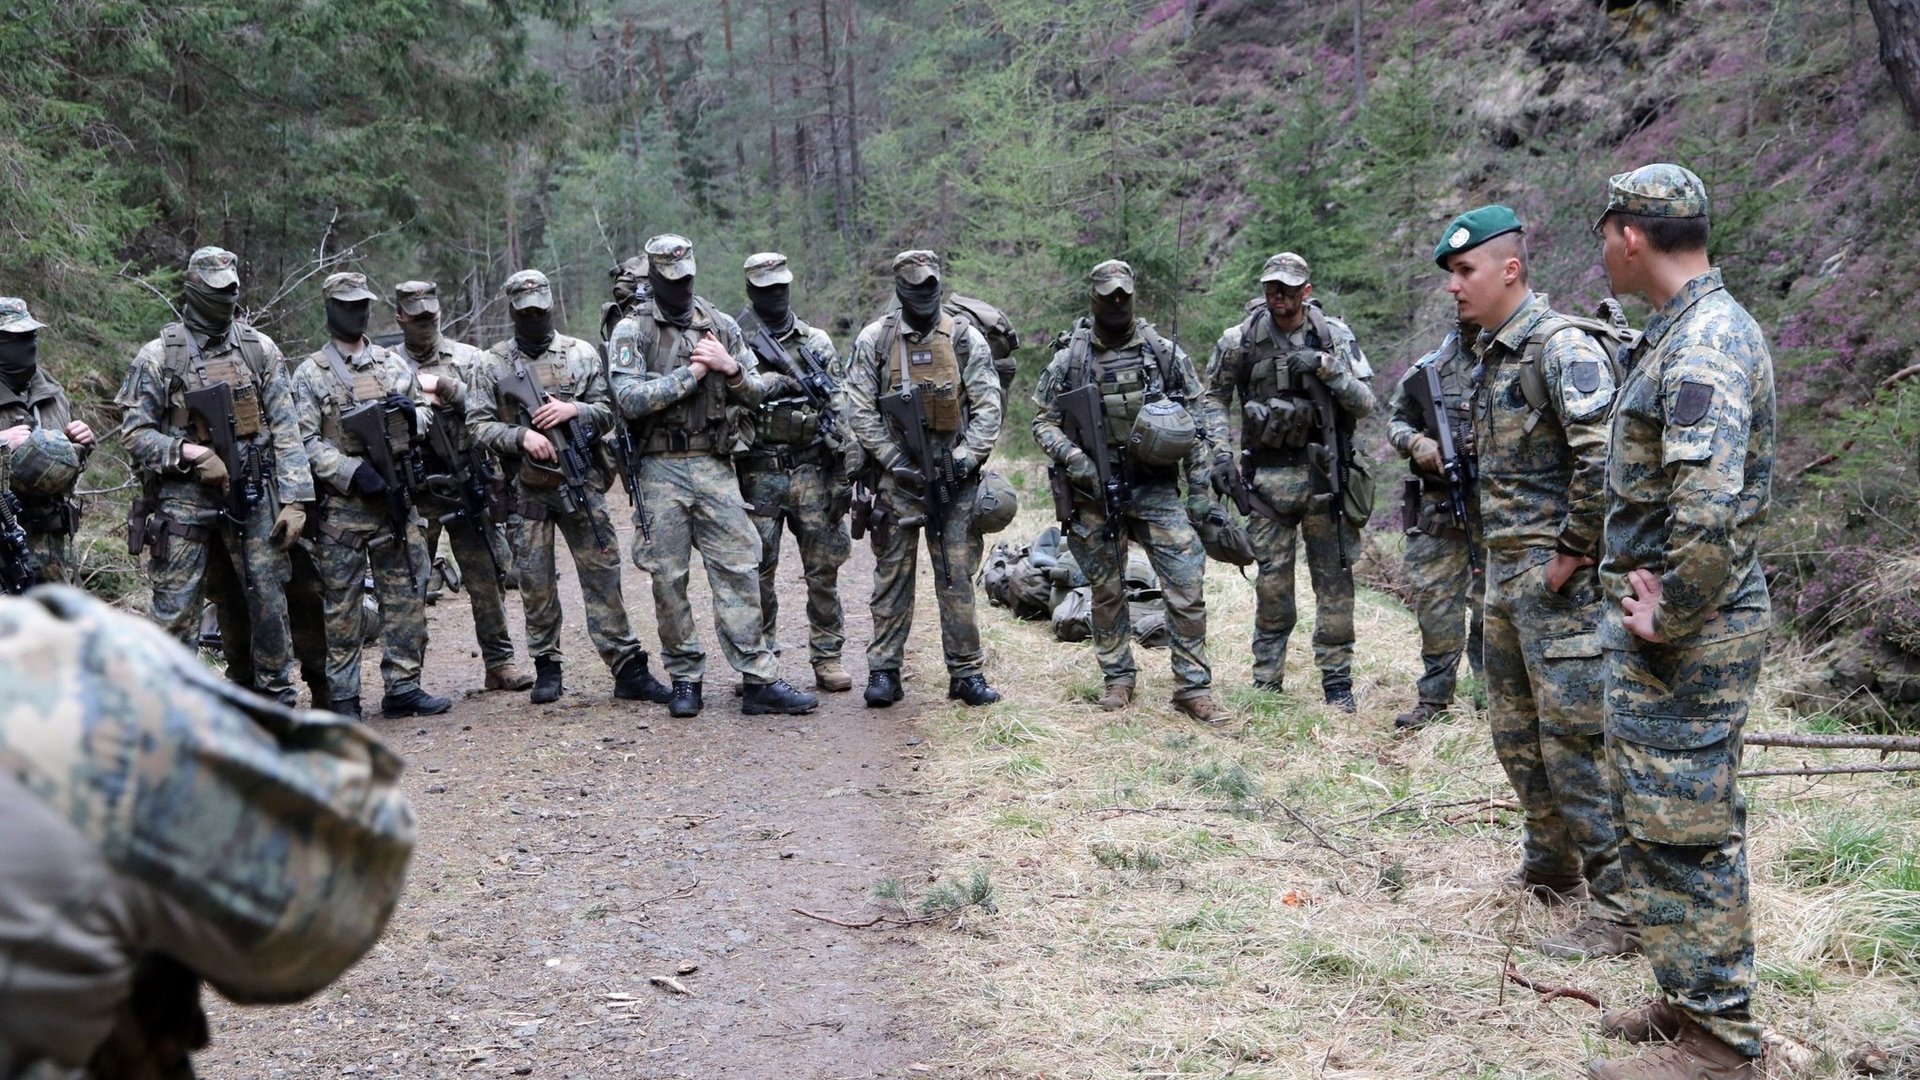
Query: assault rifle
[
  {"x": 1083, "y": 417},
  {"x": 572, "y": 440},
  {"x": 1459, "y": 469},
  {"x": 908, "y": 411},
  {"x": 626, "y": 451},
  {"x": 1245, "y": 499},
  {"x": 18, "y": 569},
  {"x": 378, "y": 425},
  {"x": 212, "y": 405},
  {"x": 810, "y": 374},
  {"x": 1333, "y": 455},
  {"x": 471, "y": 479}
]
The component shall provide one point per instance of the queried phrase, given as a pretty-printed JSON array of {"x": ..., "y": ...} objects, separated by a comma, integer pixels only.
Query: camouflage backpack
[
  {"x": 1609, "y": 329},
  {"x": 1018, "y": 581}
]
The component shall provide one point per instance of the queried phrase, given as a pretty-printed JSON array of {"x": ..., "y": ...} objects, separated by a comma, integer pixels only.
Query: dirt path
[{"x": 570, "y": 853}]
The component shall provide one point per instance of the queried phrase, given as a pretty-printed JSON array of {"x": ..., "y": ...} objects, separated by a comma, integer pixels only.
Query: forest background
[{"x": 1026, "y": 140}]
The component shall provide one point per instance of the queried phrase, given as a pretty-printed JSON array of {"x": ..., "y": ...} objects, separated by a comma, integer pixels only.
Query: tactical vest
[
  {"x": 349, "y": 388},
  {"x": 241, "y": 367},
  {"x": 459, "y": 436},
  {"x": 1456, "y": 383},
  {"x": 698, "y": 422},
  {"x": 930, "y": 366},
  {"x": 789, "y": 419},
  {"x": 1126, "y": 381},
  {"x": 1275, "y": 402}
]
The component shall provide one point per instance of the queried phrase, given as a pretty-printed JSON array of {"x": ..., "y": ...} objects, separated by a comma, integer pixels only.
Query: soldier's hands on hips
[
  {"x": 208, "y": 468},
  {"x": 715, "y": 357},
  {"x": 538, "y": 447},
  {"x": 1640, "y": 607},
  {"x": 15, "y": 435},
  {"x": 553, "y": 412},
  {"x": 289, "y": 525},
  {"x": 1425, "y": 453},
  {"x": 79, "y": 432}
]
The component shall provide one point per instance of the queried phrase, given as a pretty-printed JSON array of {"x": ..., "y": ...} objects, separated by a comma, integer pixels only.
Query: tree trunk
[
  {"x": 1899, "y": 23},
  {"x": 853, "y": 106},
  {"x": 1359, "y": 55},
  {"x": 800, "y": 166},
  {"x": 660, "y": 71},
  {"x": 773, "y": 131},
  {"x": 833, "y": 129}
]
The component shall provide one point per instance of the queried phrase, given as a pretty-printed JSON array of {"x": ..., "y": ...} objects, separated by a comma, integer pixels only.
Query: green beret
[
  {"x": 1657, "y": 190},
  {"x": 1473, "y": 228}
]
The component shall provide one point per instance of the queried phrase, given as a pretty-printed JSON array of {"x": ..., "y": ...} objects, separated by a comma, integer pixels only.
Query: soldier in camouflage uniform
[
  {"x": 163, "y": 827},
  {"x": 416, "y": 307},
  {"x": 798, "y": 467},
  {"x": 1134, "y": 368},
  {"x": 630, "y": 294},
  {"x": 951, "y": 370},
  {"x": 567, "y": 370},
  {"x": 183, "y": 512},
  {"x": 680, "y": 369},
  {"x": 1541, "y": 404},
  {"x": 352, "y": 528},
  {"x": 1279, "y": 361},
  {"x": 47, "y": 446},
  {"x": 1442, "y": 569},
  {"x": 1689, "y": 481}
]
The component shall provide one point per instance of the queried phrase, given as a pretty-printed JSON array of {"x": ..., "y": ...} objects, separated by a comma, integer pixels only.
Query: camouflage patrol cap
[
  {"x": 15, "y": 318},
  {"x": 916, "y": 266},
  {"x": 46, "y": 463},
  {"x": 1657, "y": 190},
  {"x": 347, "y": 285},
  {"x": 1111, "y": 276},
  {"x": 632, "y": 269},
  {"x": 1473, "y": 228},
  {"x": 768, "y": 268},
  {"x": 1286, "y": 268},
  {"x": 670, "y": 256},
  {"x": 216, "y": 267},
  {"x": 416, "y": 297},
  {"x": 528, "y": 289}
]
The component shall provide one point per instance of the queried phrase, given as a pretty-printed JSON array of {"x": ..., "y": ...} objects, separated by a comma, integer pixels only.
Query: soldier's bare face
[
  {"x": 1613, "y": 256},
  {"x": 1480, "y": 286},
  {"x": 1287, "y": 303}
]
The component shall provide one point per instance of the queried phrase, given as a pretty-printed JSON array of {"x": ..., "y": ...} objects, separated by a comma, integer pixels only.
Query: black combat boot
[
  {"x": 636, "y": 683},
  {"x": 347, "y": 707},
  {"x": 685, "y": 701},
  {"x": 546, "y": 681},
  {"x": 972, "y": 690},
  {"x": 414, "y": 702},
  {"x": 1340, "y": 696},
  {"x": 778, "y": 696},
  {"x": 883, "y": 689}
]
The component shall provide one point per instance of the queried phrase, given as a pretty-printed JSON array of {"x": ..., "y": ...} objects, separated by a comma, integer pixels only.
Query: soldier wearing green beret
[
  {"x": 46, "y": 445},
  {"x": 1543, "y": 395},
  {"x": 1687, "y": 616}
]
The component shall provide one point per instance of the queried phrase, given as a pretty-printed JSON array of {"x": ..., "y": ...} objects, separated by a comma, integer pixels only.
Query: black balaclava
[
  {"x": 19, "y": 359},
  {"x": 532, "y": 330},
  {"x": 672, "y": 299},
  {"x": 919, "y": 304},
  {"x": 347, "y": 319},
  {"x": 1113, "y": 316},
  {"x": 420, "y": 332},
  {"x": 208, "y": 311},
  {"x": 771, "y": 303}
]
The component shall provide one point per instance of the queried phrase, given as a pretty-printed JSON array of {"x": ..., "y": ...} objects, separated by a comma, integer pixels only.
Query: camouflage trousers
[
  {"x": 1545, "y": 693},
  {"x": 1289, "y": 491},
  {"x": 54, "y": 556},
  {"x": 252, "y": 575},
  {"x": 596, "y": 561},
  {"x": 896, "y": 560},
  {"x": 474, "y": 553},
  {"x": 810, "y": 501},
  {"x": 1448, "y": 598},
  {"x": 1675, "y": 718},
  {"x": 694, "y": 502},
  {"x": 1158, "y": 521},
  {"x": 396, "y": 565}
]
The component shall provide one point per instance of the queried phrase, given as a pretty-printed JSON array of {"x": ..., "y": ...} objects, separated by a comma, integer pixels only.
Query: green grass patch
[
  {"x": 1229, "y": 781},
  {"x": 1019, "y": 819},
  {"x": 1126, "y": 857},
  {"x": 1021, "y": 765},
  {"x": 1839, "y": 851}
]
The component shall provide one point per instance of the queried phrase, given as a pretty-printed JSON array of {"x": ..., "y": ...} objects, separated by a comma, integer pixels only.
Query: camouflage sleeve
[
  {"x": 1707, "y": 397},
  {"x": 311, "y": 403},
  {"x": 985, "y": 406},
  {"x": 1047, "y": 432},
  {"x": 637, "y": 392},
  {"x": 1190, "y": 392},
  {"x": 1346, "y": 373},
  {"x": 595, "y": 396},
  {"x": 1580, "y": 382},
  {"x": 822, "y": 348},
  {"x": 1405, "y": 423},
  {"x": 292, "y": 474},
  {"x": 749, "y": 387},
  {"x": 1223, "y": 377},
  {"x": 452, "y": 390},
  {"x": 142, "y": 398},
  {"x": 863, "y": 410},
  {"x": 483, "y": 411}
]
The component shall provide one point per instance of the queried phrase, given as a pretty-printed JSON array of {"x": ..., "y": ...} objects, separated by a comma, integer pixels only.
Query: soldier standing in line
[
  {"x": 354, "y": 529},
  {"x": 1442, "y": 568},
  {"x": 949, "y": 370},
  {"x": 49, "y": 447},
  {"x": 208, "y": 529},
  {"x": 575, "y": 408},
  {"x": 1158, "y": 428},
  {"x": 1541, "y": 410},
  {"x": 1285, "y": 362},
  {"x": 1689, "y": 485},
  {"x": 416, "y": 308},
  {"x": 800, "y": 461},
  {"x": 680, "y": 369},
  {"x": 630, "y": 294}
]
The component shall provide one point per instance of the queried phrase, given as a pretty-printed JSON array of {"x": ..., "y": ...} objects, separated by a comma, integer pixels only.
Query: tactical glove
[
  {"x": 964, "y": 463},
  {"x": 1198, "y": 507},
  {"x": 210, "y": 470},
  {"x": 288, "y": 526},
  {"x": 1082, "y": 472},
  {"x": 367, "y": 480},
  {"x": 1425, "y": 453}
]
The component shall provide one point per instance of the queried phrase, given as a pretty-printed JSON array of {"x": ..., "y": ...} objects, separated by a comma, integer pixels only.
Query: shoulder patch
[
  {"x": 1585, "y": 375},
  {"x": 1691, "y": 404}
]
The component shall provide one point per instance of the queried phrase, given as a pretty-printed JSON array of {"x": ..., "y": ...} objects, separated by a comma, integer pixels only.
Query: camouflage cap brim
[
  {"x": 15, "y": 318},
  {"x": 419, "y": 305},
  {"x": 764, "y": 272},
  {"x": 541, "y": 297},
  {"x": 1286, "y": 268}
]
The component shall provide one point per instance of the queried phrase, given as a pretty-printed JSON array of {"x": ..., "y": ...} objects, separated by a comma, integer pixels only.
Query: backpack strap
[{"x": 1533, "y": 381}]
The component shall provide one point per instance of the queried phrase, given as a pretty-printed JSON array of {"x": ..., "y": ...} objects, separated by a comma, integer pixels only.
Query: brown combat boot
[
  {"x": 1202, "y": 708},
  {"x": 1654, "y": 1021},
  {"x": 1118, "y": 696},
  {"x": 1593, "y": 939},
  {"x": 508, "y": 677},
  {"x": 1695, "y": 1055},
  {"x": 1550, "y": 891},
  {"x": 831, "y": 676}
]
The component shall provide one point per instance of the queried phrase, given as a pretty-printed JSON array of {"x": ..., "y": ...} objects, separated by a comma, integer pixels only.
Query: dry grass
[{"x": 1302, "y": 894}]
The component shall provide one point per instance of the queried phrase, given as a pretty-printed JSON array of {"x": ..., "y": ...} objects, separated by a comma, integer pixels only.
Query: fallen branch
[
  {"x": 877, "y": 920},
  {"x": 1548, "y": 991},
  {"x": 1309, "y": 826},
  {"x": 1900, "y": 376},
  {"x": 678, "y": 894},
  {"x": 671, "y": 984},
  {"x": 1883, "y": 743},
  {"x": 1491, "y": 812},
  {"x": 1829, "y": 770}
]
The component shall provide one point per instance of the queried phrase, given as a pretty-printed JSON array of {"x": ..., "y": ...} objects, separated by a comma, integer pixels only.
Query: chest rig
[
  {"x": 351, "y": 389},
  {"x": 1128, "y": 377},
  {"x": 238, "y": 364},
  {"x": 699, "y": 422},
  {"x": 1277, "y": 405},
  {"x": 789, "y": 419},
  {"x": 929, "y": 365}
]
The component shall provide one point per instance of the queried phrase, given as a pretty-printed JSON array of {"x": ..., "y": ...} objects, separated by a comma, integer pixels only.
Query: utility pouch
[
  {"x": 1062, "y": 489},
  {"x": 1410, "y": 506},
  {"x": 137, "y": 527},
  {"x": 942, "y": 405}
]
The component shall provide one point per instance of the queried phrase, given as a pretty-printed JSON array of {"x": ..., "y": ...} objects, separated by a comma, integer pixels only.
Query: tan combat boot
[
  {"x": 1593, "y": 939},
  {"x": 1202, "y": 708},
  {"x": 508, "y": 677},
  {"x": 1654, "y": 1021},
  {"x": 1549, "y": 891},
  {"x": 829, "y": 675},
  {"x": 1118, "y": 696},
  {"x": 1695, "y": 1055}
]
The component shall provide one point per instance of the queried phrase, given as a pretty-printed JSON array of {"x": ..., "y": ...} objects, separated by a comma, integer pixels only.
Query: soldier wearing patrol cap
[
  {"x": 1160, "y": 429},
  {"x": 201, "y": 548},
  {"x": 568, "y": 372},
  {"x": 47, "y": 446},
  {"x": 630, "y": 293},
  {"x": 1687, "y": 616},
  {"x": 800, "y": 460},
  {"x": 949, "y": 367},
  {"x": 481, "y": 552},
  {"x": 353, "y": 530},
  {"x": 1281, "y": 361},
  {"x": 1540, "y": 411},
  {"x": 681, "y": 372}
]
